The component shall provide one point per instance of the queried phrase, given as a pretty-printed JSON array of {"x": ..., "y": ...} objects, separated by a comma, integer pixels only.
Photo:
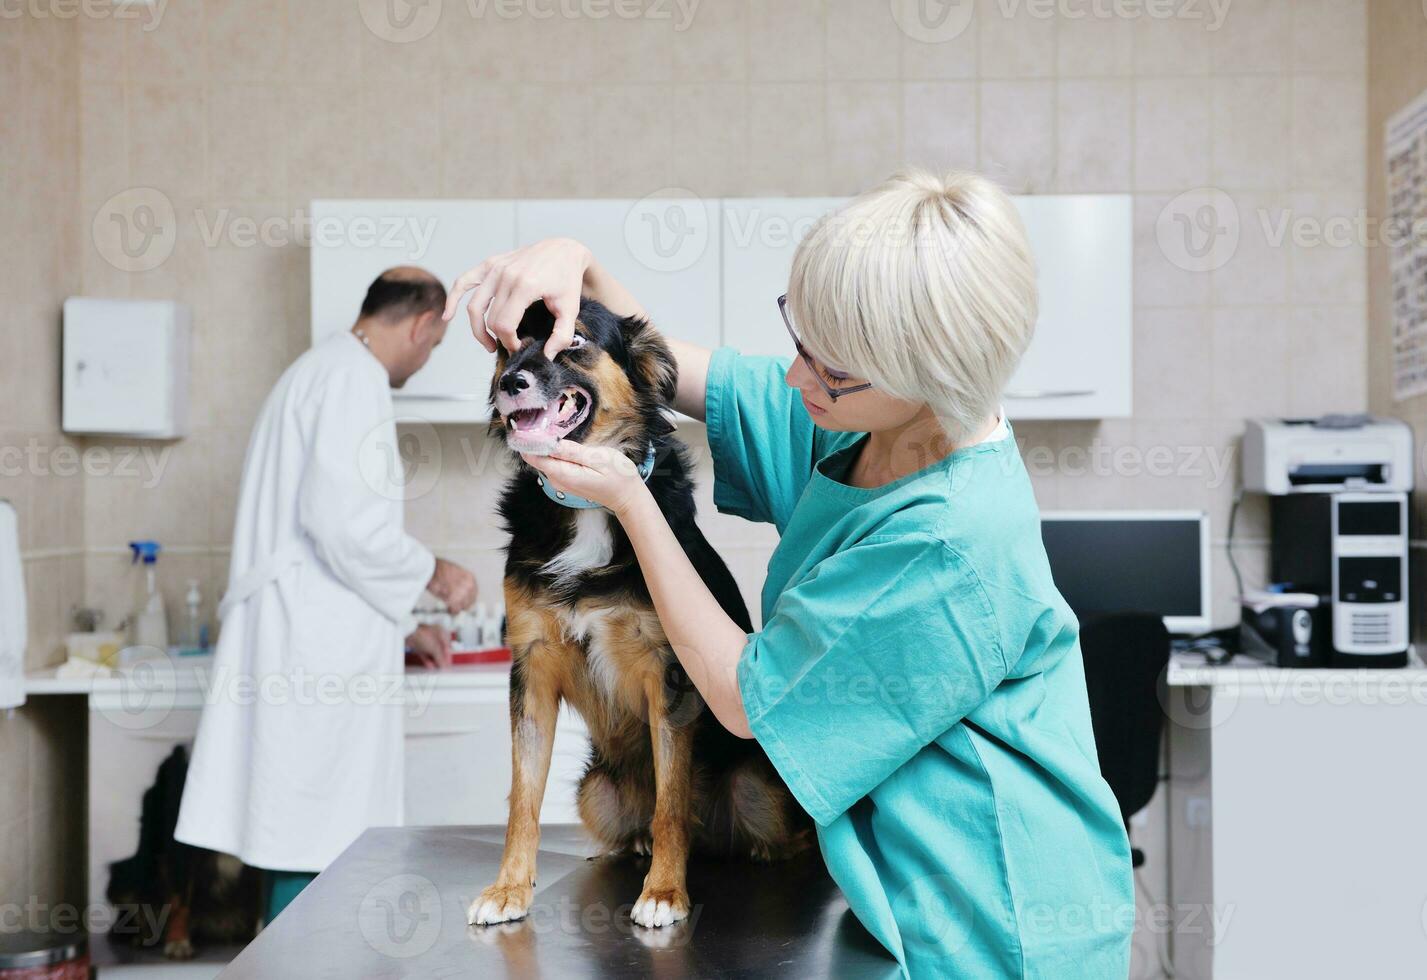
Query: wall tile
[
  {"x": 1173, "y": 378},
  {"x": 247, "y": 142},
  {"x": 1016, "y": 41},
  {"x": 787, "y": 138},
  {"x": 166, "y": 144},
  {"x": 1250, "y": 351},
  {"x": 1327, "y": 360},
  {"x": 863, "y": 41},
  {"x": 1158, "y": 280},
  {"x": 793, "y": 35},
  {"x": 170, "y": 48},
  {"x": 948, "y": 53},
  {"x": 1017, "y": 134},
  {"x": 1094, "y": 136},
  {"x": 1255, "y": 37},
  {"x": 247, "y": 39},
  {"x": 709, "y": 121},
  {"x": 1330, "y": 35},
  {"x": 1329, "y": 131},
  {"x": 940, "y": 124},
  {"x": 1174, "y": 45},
  {"x": 714, "y": 46},
  {"x": 1250, "y": 132},
  {"x": 1329, "y": 257},
  {"x": 863, "y": 134},
  {"x": 1094, "y": 44},
  {"x": 1172, "y": 133},
  {"x": 1257, "y": 271}
]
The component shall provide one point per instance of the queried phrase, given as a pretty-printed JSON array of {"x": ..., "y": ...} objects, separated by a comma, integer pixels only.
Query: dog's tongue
[{"x": 532, "y": 418}]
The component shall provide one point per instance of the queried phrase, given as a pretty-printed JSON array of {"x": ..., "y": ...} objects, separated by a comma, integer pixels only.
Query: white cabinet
[
  {"x": 760, "y": 235},
  {"x": 1079, "y": 363},
  {"x": 126, "y": 367},
  {"x": 458, "y": 764},
  {"x": 354, "y": 241},
  {"x": 710, "y": 272},
  {"x": 665, "y": 251}
]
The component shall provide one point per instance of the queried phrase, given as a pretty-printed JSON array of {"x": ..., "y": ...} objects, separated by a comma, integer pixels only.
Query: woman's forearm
[
  {"x": 707, "y": 642},
  {"x": 693, "y": 360}
]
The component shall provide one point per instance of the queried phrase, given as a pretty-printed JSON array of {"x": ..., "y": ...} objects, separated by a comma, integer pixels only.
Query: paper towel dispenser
[{"x": 126, "y": 367}]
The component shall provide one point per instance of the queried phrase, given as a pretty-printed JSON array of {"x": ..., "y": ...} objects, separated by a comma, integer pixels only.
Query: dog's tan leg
[
  {"x": 665, "y": 900},
  {"x": 534, "y": 705}
]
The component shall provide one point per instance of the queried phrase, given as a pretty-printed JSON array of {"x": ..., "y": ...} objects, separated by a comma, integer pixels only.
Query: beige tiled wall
[
  {"x": 1397, "y": 42},
  {"x": 254, "y": 109},
  {"x": 41, "y": 744}
]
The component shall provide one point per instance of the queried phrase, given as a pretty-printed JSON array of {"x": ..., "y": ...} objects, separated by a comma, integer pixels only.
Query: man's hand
[
  {"x": 432, "y": 645},
  {"x": 453, "y": 585},
  {"x": 506, "y": 285}
]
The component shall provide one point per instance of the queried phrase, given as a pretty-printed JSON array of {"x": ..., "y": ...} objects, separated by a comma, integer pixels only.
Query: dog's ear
[{"x": 651, "y": 362}]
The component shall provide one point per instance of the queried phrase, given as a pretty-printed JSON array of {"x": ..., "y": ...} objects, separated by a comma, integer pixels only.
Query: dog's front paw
[
  {"x": 660, "y": 907},
  {"x": 178, "y": 949},
  {"x": 499, "y": 903}
]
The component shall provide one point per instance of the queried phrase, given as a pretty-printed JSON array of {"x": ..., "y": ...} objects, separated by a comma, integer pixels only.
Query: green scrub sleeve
[
  {"x": 867, "y": 660},
  {"x": 761, "y": 437}
]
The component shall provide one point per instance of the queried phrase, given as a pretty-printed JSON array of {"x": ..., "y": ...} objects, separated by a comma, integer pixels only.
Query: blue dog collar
[{"x": 574, "y": 501}]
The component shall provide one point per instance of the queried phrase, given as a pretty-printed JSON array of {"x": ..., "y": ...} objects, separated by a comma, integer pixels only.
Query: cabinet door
[
  {"x": 1079, "y": 361},
  {"x": 353, "y": 241},
  {"x": 458, "y": 765},
  {"x": 664, "y": 250},
  {"x": 760, "y": 235}
]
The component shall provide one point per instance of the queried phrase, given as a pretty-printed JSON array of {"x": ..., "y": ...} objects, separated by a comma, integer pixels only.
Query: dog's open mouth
[{"x": 537, "y": 429}]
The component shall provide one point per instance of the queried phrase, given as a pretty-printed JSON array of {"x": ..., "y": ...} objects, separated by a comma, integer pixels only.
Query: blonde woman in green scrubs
[{"x": 917, "y": 680}]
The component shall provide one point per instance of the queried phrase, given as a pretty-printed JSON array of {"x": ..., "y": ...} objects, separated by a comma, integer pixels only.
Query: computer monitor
[{"x": 1132, "y": 561}]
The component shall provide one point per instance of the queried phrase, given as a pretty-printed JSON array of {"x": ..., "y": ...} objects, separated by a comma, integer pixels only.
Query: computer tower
[{"x": 1351, "y": 547}]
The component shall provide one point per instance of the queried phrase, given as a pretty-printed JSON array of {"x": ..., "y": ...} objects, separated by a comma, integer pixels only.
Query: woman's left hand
[{"x": 599, "y": 473}]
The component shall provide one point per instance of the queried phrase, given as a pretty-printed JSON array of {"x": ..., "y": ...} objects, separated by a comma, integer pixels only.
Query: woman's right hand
[{"x": 505, "y": 285}]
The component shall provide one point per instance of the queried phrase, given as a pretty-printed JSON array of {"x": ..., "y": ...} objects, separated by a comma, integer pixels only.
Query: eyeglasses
[{"x": 817, "y": 369}]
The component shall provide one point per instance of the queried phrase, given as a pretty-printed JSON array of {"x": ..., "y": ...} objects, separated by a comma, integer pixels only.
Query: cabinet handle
[
  {"x": 443, "y": 733},
  {"x": 416, "y": 396},
  {"x": 1043, "y": 393}
]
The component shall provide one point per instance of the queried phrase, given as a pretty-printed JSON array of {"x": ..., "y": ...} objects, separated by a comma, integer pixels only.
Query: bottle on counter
[
  {"x": 193, "y": 636},
  {"x": 148, "y": 623}
]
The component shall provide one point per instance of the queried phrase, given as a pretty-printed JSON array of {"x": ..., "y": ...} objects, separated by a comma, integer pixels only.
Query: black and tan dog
[{"x": 663, "y": 777}]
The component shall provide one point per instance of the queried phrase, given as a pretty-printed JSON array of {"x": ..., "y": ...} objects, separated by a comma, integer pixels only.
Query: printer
[
  {"x": 1327, "y": 455},
  {"x": 1338, "y": 492}
]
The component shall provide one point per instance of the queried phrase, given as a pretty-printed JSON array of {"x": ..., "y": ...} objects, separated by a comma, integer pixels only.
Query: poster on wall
[{"x": 1406, "y": 234}]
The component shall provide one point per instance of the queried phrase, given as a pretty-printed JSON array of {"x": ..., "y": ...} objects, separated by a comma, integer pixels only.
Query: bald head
[
  {"x": 406, "y": 303},
  {"x": 402, "y": 292}
]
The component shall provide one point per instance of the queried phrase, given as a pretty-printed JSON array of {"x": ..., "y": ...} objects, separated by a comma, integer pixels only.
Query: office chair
[{"x": 1125, "y": 656}]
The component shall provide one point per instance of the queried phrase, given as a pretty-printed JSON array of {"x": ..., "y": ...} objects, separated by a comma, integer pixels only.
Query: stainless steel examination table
[{"x": 394, "y": 905}]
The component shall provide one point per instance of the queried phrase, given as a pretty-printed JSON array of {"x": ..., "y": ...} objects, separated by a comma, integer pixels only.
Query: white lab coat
[{"x": 300, "y": 745}]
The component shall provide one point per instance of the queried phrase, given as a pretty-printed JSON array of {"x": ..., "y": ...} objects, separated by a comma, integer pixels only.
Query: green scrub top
[{"x": 918, "y": 684}]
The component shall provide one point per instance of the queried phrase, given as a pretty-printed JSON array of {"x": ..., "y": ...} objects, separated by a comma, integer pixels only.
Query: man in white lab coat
[{"x": 300, "y": 745}]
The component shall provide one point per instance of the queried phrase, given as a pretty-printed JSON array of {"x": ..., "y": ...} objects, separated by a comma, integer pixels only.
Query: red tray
[{"x": 462, "y": 658}]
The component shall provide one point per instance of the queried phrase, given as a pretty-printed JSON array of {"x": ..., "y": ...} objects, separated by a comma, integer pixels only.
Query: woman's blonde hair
[{"x": 925, "y": 286}]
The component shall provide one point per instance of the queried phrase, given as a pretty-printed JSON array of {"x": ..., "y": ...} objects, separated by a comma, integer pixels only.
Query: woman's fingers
[
  {"x": 480, "y": 301},
  {"x": 512, "y": 298},
  {"x": 564, "y": 311},
  {"x": 464, "y": 283}
]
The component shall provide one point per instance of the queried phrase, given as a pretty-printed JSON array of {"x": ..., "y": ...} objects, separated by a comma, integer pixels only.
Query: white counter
[
  {"x": 1289, "y": 791},
  {"x": 456, "y": 757}
]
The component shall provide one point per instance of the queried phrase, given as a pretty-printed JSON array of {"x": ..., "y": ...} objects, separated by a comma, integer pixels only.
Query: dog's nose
[{"x": 514, "y": 382}]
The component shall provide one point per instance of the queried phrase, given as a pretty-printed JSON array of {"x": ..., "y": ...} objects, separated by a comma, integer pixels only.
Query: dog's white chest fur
[{"x": 591, "y": 547}]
